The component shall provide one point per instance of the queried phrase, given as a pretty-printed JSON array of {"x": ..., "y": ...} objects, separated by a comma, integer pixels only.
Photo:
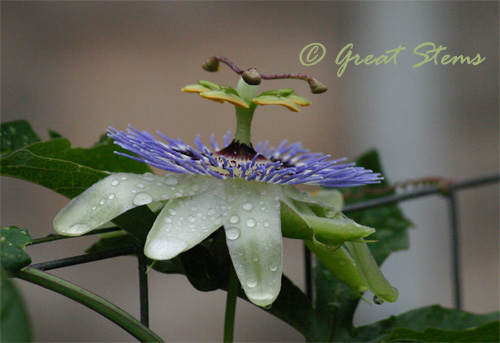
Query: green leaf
[
  {"x": 483, "y": 333},
  {"x": 432, "y": 322},
  {"x": 64, "y": 177},
  {"x": 68, "y": 171},
  {"x": 16, "y": 135},
  {"x": 389, "y": 222},
  {"x": 12, "y": 243},
  {"x": 201, "y": 269},
  {"x": 14, "y": 322}
]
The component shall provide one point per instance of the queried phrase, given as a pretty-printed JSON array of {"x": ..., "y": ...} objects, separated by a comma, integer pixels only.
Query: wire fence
[{"x": 449, "y": 192}]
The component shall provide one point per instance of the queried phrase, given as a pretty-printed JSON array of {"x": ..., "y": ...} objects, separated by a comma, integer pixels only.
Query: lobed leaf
[{"x": 12, "y": 243}]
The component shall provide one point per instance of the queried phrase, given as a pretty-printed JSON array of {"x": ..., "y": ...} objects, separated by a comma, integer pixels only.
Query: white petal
[
  {"x": 119, "y": 193},
  {"x": 253, "y": 235},
  {"x": 185, "y": 222}
]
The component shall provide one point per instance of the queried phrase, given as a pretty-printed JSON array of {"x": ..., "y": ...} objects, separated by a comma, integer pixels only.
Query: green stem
[
  {"x": 244, "y": 116},
  {"x": 91, "y": 300},
  {"x": 232, "y": 294}
]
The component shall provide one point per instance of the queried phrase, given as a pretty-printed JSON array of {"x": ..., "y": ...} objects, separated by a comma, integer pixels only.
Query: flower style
[{"x": 248, "y": 191}]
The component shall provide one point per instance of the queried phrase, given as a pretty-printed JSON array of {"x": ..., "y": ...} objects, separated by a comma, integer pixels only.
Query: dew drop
[
  {"x": 102, "y": 202},
  {"x": 148, "y": 177},
  {"x": 178, "y": 194},
  {"x": 170, "y": 180},
  {"x": 191, "y": 219},
  {"x": 262, "y": 208},
  {"x": 211, "y": 212},
  {"x": 251, "y": 222},
  {"x": 134, "y": 191},
  {"x": 172, "y": 211},
  {"x": 218, "y": 221},
  {"x": 112, "y": 196},
  {"x": 139, "y": 185},
  {"x": 142, "y": 198},
  {"x": 255, "y": 259},
  {"x": 377, "y": 300},
  {"x": 232, "y": 233},
  {"x": 251, "y": 282},
  {"x": 167, "y": 220},
  {"x": 267, "y": 223},
  {"x": 94, "y": 207},
  {"x": 115, "y": 182},
  {"x": 199, "y": 214},
  {"x": 234, "y": 219},
  {"x": 78, "y": 229},
  {"x": 247, "y": 206},
  {"x": 195, "y": 188},
  {"x": 273, "y": 267},
  {"x": 123, "y": 178},
  {"x": 268, "y": 307}
]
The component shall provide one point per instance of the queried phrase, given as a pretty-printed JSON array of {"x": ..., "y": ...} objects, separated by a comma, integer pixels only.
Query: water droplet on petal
[
  {"x": 247, "y": 206},
  {"x": 148, "y": 177},
  {"x": 234, "y": 219},
  {"x": 112, "y": 196},
  {"x": 134, "y": 191},
  {"x": 267, "y": 223},
  {"x": 211, "y": 212},
  {"x": 139, "y": 185},
  {"x": 273, "y": 267},
  {"x": 191, "y": 219},
  {"x": 255, "y": 259},
  {"x": 232, "y": 233},
  {"x": 78, "y": 229},
  {"x": 102, "y": 202},
  {"x": 115, "y": 182},
  {"x": 199, "y": 214},
  {"x": 170, "y": 180},
  {"x": 142, "y": 198},
  {"x": 178, "y": 194},
  {"x": 94, "y": 207},
  {"x": 251, "y": 282},
  {"x": 251, "y": 222},
  {"x": 167, "y": 220},
  {"x": 218, "y": 221},
  {"x": 123, "y": 178},
  {"x": 195, "y": 188},
  {"x": 172, "y": 211}
]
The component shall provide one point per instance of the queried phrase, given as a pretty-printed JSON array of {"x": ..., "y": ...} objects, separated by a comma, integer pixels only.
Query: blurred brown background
[{"x": 77, "y": 67}]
